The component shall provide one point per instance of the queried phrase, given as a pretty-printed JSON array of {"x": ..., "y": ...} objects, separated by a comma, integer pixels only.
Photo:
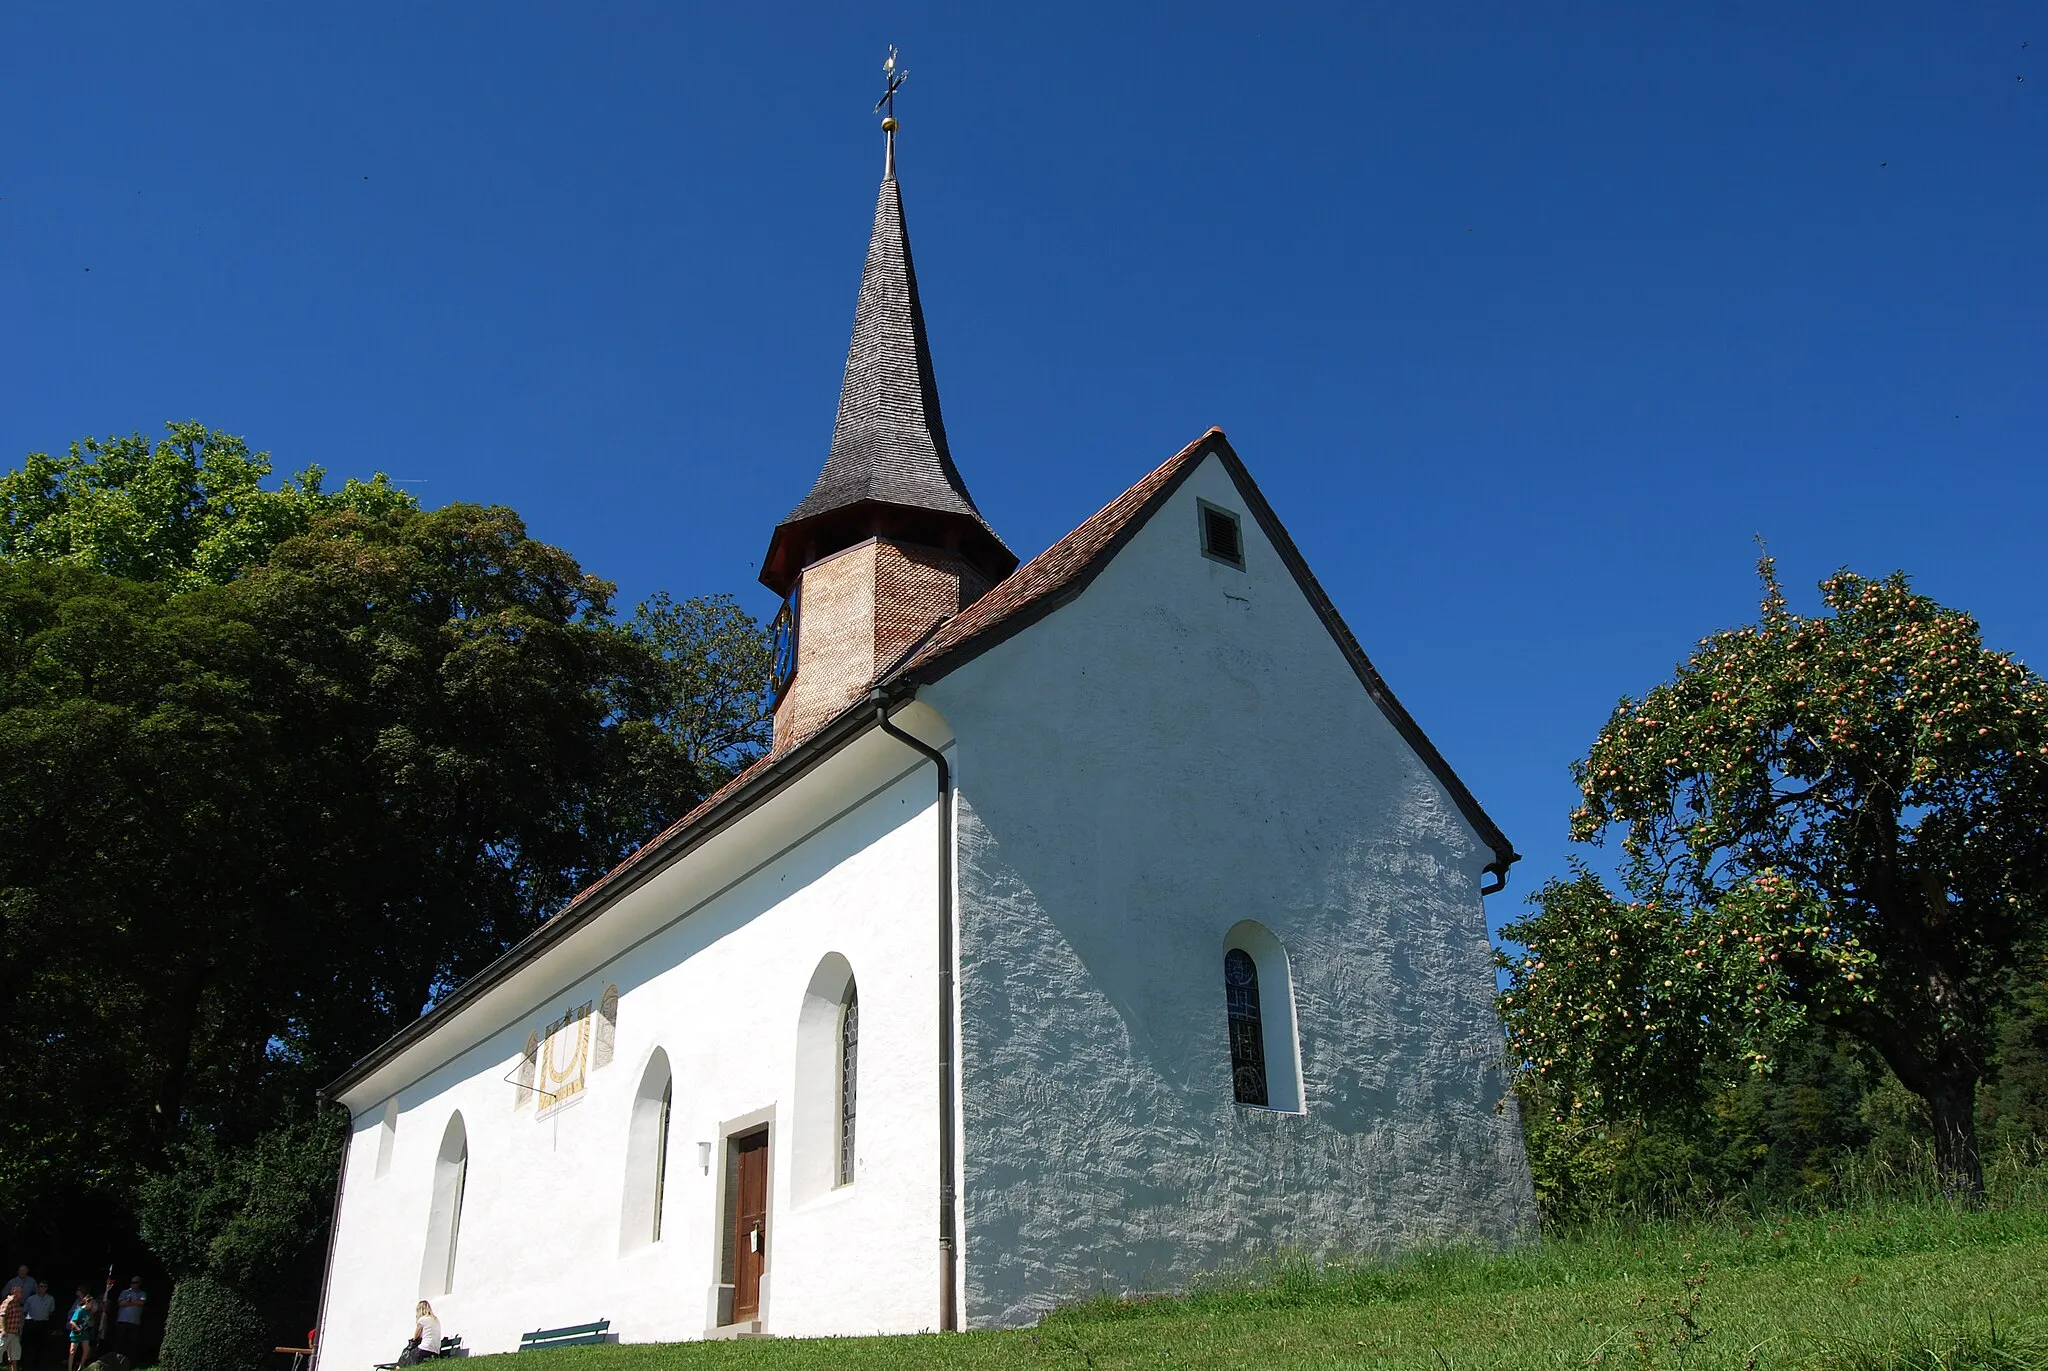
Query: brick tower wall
[{"x": 858, "y": 611}]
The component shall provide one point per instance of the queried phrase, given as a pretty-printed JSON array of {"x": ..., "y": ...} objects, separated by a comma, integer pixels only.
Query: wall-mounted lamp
[{"x": 704, "y": 1156}]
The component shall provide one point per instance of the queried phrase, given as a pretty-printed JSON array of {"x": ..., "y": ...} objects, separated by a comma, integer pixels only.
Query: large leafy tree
[
  {"x": 1835, "y": 823},
  {"x": 276, "y": 769}
]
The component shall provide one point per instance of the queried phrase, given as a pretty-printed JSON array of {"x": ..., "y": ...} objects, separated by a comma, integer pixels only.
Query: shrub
[{"x": 212, "y": 1327}]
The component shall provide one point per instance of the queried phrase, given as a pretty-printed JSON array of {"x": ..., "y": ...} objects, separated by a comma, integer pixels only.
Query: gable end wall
[{"x": 1181, "y": 747}]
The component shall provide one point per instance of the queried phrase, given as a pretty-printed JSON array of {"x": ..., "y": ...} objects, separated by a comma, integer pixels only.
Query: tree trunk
[
  {"x": 1946, "y": 1080},
  {"x": 1953, "y": 1102},
  {"x": 180, "y": 1026}
]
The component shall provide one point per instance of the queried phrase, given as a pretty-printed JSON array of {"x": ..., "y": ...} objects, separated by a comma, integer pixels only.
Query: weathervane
[{"x": 892, "y": 82}]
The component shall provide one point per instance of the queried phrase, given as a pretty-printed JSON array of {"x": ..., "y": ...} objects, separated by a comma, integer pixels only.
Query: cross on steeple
[{"x": 892, "y": 81}]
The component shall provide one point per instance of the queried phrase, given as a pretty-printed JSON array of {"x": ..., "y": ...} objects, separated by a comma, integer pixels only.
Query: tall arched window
[
  {"x": 1258, "y": 999},
  {"x": 822, "y": 1155},
  {"x": 647, "y": 1155},
  {"x": 849, "y": 1077},
  {"x": 444, "y": 1217}
]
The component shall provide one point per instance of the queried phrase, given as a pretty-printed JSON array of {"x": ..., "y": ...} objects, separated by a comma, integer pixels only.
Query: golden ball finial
[{"x": 889, "y": 124}]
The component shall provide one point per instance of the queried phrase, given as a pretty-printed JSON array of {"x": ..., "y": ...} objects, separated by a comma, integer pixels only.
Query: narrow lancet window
[
  {"x": 849, "y": 1077},
  {"x": 1247, "y": 1033}
]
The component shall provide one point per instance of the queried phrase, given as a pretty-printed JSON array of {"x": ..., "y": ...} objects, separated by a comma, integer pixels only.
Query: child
[{"x": 83, "y": 1315}]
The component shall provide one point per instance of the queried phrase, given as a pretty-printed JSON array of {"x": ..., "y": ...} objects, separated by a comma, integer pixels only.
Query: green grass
[{"x": 1881, "y": 1288}]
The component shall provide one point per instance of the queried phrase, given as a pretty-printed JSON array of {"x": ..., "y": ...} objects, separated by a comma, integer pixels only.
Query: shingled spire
[
  {"x": 890, "y": 473},
  {"x": 888, "y": 543}
]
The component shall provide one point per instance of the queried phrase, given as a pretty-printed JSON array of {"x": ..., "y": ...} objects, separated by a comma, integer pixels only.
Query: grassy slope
[{"x": 1900, "y": 1286}]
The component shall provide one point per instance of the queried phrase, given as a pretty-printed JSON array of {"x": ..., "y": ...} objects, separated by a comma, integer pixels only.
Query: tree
[
  {"x": 226, "y": 1222},
  {"x": 277, "y": 769},
  {"x": 711, "y": 691},
  {"x": 137, "y": 766},
  {"x": 191, "y": 510},
  {"x": 1836, "y": 823}
]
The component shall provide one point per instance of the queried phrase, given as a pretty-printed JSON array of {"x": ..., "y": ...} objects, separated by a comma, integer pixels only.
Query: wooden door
[{"x": 749, "y": 1224}]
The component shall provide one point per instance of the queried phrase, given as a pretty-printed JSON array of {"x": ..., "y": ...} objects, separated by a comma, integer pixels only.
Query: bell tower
[{"x": 888, "y": 542}]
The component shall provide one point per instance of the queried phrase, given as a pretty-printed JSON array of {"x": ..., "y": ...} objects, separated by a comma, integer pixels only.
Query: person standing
[
  {"x": 84, "y": 1314},
  {"x": 23, "y": 1284},
  {"x": 39, "y": 1325},
  {"x": 128, "y": 1319},
  {"x": 12, "y": 1312}
]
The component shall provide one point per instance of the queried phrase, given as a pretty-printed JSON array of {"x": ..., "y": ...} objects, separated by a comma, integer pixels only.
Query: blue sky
[{"x": 1527, "y": 318}]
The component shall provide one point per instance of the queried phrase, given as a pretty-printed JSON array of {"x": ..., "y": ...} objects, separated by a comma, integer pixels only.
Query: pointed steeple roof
[{"x": 890, "y": 471}]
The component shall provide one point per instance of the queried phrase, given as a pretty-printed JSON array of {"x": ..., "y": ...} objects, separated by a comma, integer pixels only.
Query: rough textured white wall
[
  {"x": 1181, "y": 748},
  {"x": 720, "y": 993}
]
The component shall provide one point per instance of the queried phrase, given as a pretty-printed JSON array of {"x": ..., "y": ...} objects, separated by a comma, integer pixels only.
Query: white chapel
[{"x": 1093, "y": 924}]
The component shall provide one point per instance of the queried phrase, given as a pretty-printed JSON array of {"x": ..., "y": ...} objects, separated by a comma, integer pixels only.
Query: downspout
[
  {"x": 1498, "y": 869},
  {"x": 333, "y": 1231},
  {"x": 949, "y": 1314}
]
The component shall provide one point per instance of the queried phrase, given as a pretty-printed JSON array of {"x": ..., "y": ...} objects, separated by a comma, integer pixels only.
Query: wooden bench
[
  {"x": 450, "y": 1347},
  {"x": 541, "y": 1338}
]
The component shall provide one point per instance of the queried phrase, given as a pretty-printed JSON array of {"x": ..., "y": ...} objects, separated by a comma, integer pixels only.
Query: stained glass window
[{"x": 1247, "y": 1034}]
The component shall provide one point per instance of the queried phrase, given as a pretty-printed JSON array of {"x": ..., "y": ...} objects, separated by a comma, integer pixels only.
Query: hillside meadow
[{"x": 1914, "y": 1282}]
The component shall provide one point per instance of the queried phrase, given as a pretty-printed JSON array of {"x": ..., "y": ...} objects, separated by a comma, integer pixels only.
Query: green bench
[{"x": 582, "y": 1333}]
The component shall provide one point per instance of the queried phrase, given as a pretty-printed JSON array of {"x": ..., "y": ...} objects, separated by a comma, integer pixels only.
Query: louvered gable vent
[{"x": 1221, "y": 536}]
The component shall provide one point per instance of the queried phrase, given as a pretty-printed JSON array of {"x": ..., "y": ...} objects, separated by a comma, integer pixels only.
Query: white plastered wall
[
  {"x": 1182, "y": 747},
  {"x": 712, "y": 958}
]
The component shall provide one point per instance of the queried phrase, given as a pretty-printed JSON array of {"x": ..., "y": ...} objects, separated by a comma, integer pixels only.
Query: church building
[{"x": 1094, "y": 924}]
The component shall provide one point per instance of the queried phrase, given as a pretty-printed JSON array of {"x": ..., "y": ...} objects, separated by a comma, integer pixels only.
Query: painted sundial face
[{"x": 558, "y": 1057}]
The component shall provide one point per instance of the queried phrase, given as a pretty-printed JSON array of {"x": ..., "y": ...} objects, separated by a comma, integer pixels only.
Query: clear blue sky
[{"x": 1527, "y": 318}]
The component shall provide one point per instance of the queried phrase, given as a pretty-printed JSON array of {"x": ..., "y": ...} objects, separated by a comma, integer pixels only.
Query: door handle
[{"x": 754, "y": 1240}]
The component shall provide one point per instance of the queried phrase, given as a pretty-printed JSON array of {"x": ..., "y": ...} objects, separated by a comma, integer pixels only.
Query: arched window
[
  {"x": 822, "y": 1155},
  {"x": 849, "y": 1077},
  {"x": 444, "y": 1218},
  {"x": 1258, "y": 999},
  {"x": 647, "y": 1155}
]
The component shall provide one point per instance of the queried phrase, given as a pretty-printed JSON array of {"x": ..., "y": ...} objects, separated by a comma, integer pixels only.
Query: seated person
[{"x": 426, "y": 1337}]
